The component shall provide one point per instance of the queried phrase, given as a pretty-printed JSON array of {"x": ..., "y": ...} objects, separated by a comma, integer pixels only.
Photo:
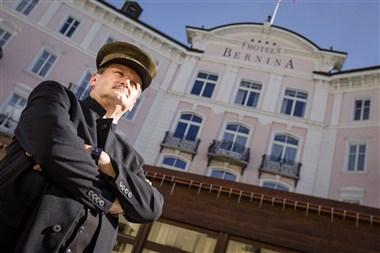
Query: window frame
[
  {"x": 352, "y": 194},
  {"x": 277, "y": 183},
  {"x": 249, "y": 90},
  {"x": 1, "y": 35},
  {"x": 226, "y": 170},
  {"x": 19, "y": 89},
  {"x": 363, "y": 99},
  {"x": 204, "y": 83},
  {"x": 295, "y": 100},
  {"x": 178, "y": 119},
  {"x": 176, "y": 157},
  {"x": 18, "y": 3},
  {"x": 69, "y": 27},
  {"x": 298, "y": 138},
  {"x": 240, "y": 124},
  {"x": 347, "y": 157},
  {"x": 88, "y": 72},
  {"x": 36, "y": 59}
]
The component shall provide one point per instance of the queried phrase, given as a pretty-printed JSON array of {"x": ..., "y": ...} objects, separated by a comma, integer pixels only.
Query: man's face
[{"x": 117, "y": 85}]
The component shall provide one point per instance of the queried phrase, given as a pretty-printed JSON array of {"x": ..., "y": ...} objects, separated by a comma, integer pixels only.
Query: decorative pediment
[{"x": 263, "y": 44}]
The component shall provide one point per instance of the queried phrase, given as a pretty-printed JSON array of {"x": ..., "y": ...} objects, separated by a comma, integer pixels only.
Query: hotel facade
[{"x": 252, "y": 103}]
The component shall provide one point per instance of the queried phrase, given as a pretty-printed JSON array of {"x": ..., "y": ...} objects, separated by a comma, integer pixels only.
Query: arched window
[
  {"x": 222, "y": 174},
  {"x": 174, "y": 162},
  {"x": 188, "y": 127},
  {"x": 276, "y": 186},
  {"x": 284, "y": 149},
  {"x": 235, "y": 138}
]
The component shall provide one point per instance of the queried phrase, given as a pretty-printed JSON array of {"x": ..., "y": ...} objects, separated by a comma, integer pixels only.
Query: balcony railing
[
  {"x": 7, "y": 124},
  {"x": 230, "y": 152},
  {"x": 281, "y": 167},
  {"x": 182, "y": 144}
]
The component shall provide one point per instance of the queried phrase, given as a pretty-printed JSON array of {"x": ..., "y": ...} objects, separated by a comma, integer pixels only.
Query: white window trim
[
  {"x": 266, "y": 180},
  {"x": 10, "y": 38},
  {"x": 363, "y": 98},
  {"x": 195, "y": 77},
  {"x": 236, "y": 90},
  {"x": 64, "y": 22},
  {"x": 37, "y": 56},
  {"x": 307, "y": 102},
  {"x": 299, "y": 139},
  {"x": 88, "y": 70},
  {"x": 352, "y": 194},
  {"x": 20, "y": 89},
  {"x": 162, "y": 157},
  {"x": 226, "y": 169},
  {"x": 250, "y": 128},
  {"x": 347, "y": 153},
  {"x": 178, "y": 117},
  {"x": 16, "y": 3}
]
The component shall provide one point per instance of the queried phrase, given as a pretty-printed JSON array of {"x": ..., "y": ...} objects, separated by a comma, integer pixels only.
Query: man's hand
[
  {"x": 104, "y": 163},
  {"x": 36, "y": 167},
  {"x": 116, "y": 208}
]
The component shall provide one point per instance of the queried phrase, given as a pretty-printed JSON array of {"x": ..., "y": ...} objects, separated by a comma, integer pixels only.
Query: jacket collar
[{"x": 94, "y": 106}]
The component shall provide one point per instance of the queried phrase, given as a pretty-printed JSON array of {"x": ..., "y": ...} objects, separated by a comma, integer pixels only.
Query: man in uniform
[{"x": 67, "y": 174}]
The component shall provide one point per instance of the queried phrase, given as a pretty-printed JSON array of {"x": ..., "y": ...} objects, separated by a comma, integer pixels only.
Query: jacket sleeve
[
  {"x": 141, "y": 201},
  {"x": 45, "y": 130}
]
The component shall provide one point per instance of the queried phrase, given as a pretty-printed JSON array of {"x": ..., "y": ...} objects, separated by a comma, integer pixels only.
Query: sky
[{"x": 351, "y": 26}]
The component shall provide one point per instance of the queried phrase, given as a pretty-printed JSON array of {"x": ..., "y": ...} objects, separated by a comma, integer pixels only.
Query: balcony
[
  {"x": 188, "y": 146},
  {"x": 229, "y": 151},
  {"x": 7, "y": 124},
  {"x": 282, "y": 167}
]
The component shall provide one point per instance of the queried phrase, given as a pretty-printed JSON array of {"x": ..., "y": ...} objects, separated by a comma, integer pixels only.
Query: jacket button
[
  {"x": 57, "y": 228},
  {"x": 68, "y": 251}
]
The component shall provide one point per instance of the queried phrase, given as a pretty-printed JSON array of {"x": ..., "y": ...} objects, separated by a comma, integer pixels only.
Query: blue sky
[{"x": 351, "y": 26}]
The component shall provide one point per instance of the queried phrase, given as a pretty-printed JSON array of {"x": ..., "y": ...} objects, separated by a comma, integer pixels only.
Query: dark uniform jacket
[{"x": 41, "y": 212}]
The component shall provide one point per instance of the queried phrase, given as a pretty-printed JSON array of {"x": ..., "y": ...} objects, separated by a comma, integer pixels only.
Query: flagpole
[{"x": 275, "y": 12}]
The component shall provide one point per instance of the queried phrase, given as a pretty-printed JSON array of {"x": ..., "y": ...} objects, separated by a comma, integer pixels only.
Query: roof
[
  {"x": 108, "y": 5},
  {"x": 332, "y": 208},
  {"x": 348, "y": 71},
  {"x": 273, "y": 26}
]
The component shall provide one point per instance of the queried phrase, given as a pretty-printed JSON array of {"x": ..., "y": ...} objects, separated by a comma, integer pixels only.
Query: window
[
  {"x": 222, "y": 174},
  {"x": 235, "y": 138},
  {"x": 84, "y": 87},
  {"x": 176, "y": 237},
  {"x": 43, "y": 63},
  {"x": 204, "y": 84},
  {"x": 69, "y": 27},
  {"x": 353, "y": 195},
  {"x": 276, "y": 186},
  {"x": 110, "y": 39},
  {"x": 131, "y": 114},
  {"x": 248, "y": 94},
  {"x": 246, "y": 247},
  {"x": 361, "y": 111},
  {"x": 4, "y": 37},
  {"x": 284, "y": 149},
  {"x": 294, "y": 103},
  {"x": 174, "y": 162},
  {"x": 26, "y": 6},
  {"x": 188, "y": 127},
  {"x": 356, "y": 157},
  {"x": 11, "y": 112}
]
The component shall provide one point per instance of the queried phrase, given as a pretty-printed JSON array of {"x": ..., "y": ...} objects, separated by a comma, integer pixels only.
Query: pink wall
[
  {"x": 370, "y": 178},
  {"x": 348, "y": 103}
]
